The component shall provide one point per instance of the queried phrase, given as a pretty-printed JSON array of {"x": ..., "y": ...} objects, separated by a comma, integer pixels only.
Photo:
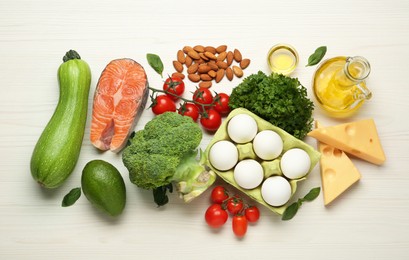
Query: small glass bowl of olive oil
[{"x": 282, "y": 58}]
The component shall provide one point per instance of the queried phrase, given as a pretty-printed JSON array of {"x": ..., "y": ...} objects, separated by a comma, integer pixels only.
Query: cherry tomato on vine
[
  {"x": 162, "y": 104},
  {"x": 252, "y": 214},
  {"x": 202, "y": 96},
  {"x": 234, "y": 205},
  {"x": 216, "y": 216},
  {"x": 174, "y": 85},
  {"x": 219, "y": 194},
  {"x": 239, "y": 225},
  {"x": 211, "y": 121},
  {"x": 190, "y": 110},
  {"x": 222, "y": 103}
]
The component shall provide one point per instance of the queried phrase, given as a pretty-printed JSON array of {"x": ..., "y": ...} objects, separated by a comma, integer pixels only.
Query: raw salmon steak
[{"x": 119, "y": 99}]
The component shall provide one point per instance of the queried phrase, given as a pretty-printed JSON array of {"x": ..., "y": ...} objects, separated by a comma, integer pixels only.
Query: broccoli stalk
[
  {"x": 164, "y": 153},
  {"x": 192, "y": 178}
]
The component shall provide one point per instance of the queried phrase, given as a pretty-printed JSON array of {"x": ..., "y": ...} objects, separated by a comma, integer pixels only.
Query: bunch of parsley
[{"x": 279, "y": 99}]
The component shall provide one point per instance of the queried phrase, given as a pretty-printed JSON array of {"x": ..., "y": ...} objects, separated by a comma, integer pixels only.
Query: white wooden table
[{"x": 370, "y": 221}]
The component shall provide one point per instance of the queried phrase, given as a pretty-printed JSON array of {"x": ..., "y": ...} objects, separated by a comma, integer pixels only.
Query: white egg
[
  {"x": 267, "y": 145},
  {"x": 242, "y": 128},
  {"x": 276, "y": 191},
  {"x": 248, "y": 174},
  {"x": 295, "y": 163},
  {"x": 223, "y": 155}
]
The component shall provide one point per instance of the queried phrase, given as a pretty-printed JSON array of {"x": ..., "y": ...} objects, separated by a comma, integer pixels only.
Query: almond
[
  {"x": 178, "y": 66},
  {"x": 219, "y": 75},
  {"x": 199, "y": 48},
  {"x": 237, "y": 71},
  {"x": 192, "y": 68},
  {"x": 203, "y": 68},
  {"x": 229, "y": 58},
  {"x": 188, "y": 61},
  {"x": 244, "y": 63},
  {"x": 203, "y": 56},
  {"x": 178, "y": 75},
  {"x": 212, "y": 73},
  {"x": 237, "y": 55},
  {"x": 222, "y": 65},
  {"x": 210, "y": 55},
  {"x": 193, "y": 54},
  {"x": 205, "y": 77},
  {"x": 221, "y": 48},
  {"x": 213, "y": 65},
  {"x": 181, "y": 56},
  {"x": 186, "y": 49},
  {"x": 222, "y": 56},
  {"x": 199, "y": 61},
  {"x": 205, "y": 84},
  {"x": 229, "y": 74},
  {"x": 210, "y": 49},
  {"x": 194, "y": 77}
]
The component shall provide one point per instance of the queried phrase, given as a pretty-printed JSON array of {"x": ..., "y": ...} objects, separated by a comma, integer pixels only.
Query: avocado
[{"x": 104, "y": 187}]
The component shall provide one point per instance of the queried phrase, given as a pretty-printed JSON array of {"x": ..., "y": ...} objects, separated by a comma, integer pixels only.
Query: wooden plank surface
[{"x": 370, "y": 221}]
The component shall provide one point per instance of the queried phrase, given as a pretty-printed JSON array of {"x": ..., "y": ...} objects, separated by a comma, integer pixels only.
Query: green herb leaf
[
  {"x": 313, "y": 194},
  {"x": 317, "y": 56},
  {"x": 279, "y": 99},
  {"x": 155, "y": 62},
  {"x": 290, "y": 211},
  {"x": 71, "y": 197},
  {"x": 159, "y": 194}
]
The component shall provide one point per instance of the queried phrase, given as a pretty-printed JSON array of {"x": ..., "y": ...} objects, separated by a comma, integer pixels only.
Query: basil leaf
[
  {"x": 317, "y": 56},
  {"x": 290, "y": 211},
  {"x": 313, "y": 194},
  {"x": 71, "y": 197},
  {"x": 155, "y": 62},
  {"x": 159, "y": 194}
]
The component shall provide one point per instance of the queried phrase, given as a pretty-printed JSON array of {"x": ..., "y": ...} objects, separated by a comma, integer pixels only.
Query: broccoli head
[{"x": 164, "y": 152}]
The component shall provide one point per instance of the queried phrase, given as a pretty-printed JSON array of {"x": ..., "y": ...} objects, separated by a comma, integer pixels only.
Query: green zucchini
[{"x": 57, "y": 150}]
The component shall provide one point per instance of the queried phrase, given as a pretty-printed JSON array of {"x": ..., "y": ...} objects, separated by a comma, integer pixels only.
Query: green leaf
[
  {"x": 313, "y": 194},
  {"x": 159, "y": 194},
  {"x": 317, "y": 56},
  {"x": 155, "y": 62},
  {"x": 290, "y": 211},
  {"x": 71, "y": 197}
]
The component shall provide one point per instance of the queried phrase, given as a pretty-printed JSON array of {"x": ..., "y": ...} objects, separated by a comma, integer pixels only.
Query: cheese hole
[
  {"x": 337, "y": 153},
  {"x": 370, "y": 140},
  {"x": 330, "y": 174},
  {"x": 327, "y": 151},
  {"x": 350, "y": 130}
]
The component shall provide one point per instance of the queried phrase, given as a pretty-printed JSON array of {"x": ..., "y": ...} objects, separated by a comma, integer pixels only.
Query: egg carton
[{"x": 272, "y": 167}]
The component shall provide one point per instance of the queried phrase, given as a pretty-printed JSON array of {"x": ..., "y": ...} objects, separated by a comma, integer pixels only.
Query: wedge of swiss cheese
[
  {"x": 338, "y": 173},
  {"x": 358, "y": 138}
]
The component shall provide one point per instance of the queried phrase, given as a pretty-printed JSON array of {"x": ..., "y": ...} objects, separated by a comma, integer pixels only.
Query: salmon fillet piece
[{"x": 120, "y": 97}]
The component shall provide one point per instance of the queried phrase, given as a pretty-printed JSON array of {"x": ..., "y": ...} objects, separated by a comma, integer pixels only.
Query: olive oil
[
  {"x": 282, "y": 58},
  {"x": 339, "y": 85}
]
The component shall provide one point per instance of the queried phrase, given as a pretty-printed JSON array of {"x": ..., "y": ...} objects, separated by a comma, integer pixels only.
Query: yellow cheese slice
[
  {"x": 358, "y": 138},
  {"x": 338, "y": 173}
]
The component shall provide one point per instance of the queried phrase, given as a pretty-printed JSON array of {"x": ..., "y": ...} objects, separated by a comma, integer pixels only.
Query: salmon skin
[{"x": 119, "y": 99}]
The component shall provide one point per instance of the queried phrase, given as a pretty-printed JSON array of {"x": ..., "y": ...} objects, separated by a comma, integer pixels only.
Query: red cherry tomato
[
  {"x": 163, "y": 104},
  {"x": 222, "y": 103},
  {"x": 203, "y": 96},
  {"x": 189, "y": 109},
  {"x": 174, "y": 85},
  {"x": 252, "y": 214},
  {"x": 219, "y": 194},
  {"x": 216, "y": 216},
  {"x": 235, "y": 205},
  {"x": 212, "y": 121},
  {"x": 239, "y": 225}
]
